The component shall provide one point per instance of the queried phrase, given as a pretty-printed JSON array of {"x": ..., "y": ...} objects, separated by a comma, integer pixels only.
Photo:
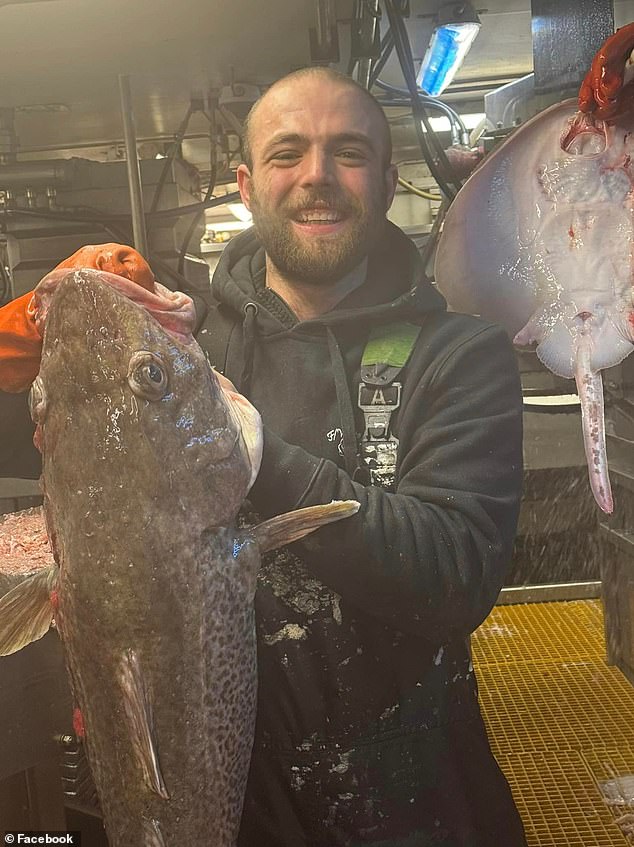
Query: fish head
[{"x": 132, "y": 417}]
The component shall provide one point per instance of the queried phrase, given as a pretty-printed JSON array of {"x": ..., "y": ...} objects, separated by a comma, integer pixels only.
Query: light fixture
[{"x": 457, "y": 25}]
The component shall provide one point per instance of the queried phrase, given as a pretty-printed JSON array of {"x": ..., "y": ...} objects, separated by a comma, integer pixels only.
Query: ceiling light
[{"x": 457, "y": 25}]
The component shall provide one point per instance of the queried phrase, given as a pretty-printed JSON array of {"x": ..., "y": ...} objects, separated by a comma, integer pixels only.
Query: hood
[{"x": 395, "y": 288}]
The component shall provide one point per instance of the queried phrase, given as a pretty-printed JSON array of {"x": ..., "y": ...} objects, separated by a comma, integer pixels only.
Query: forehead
[{"x": 315, "y": 108}]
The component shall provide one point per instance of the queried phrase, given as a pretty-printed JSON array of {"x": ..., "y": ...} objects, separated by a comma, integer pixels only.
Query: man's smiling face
[{"x": 320, "y": 183}]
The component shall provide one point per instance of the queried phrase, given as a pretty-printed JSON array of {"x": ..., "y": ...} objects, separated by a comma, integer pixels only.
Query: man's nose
[{"x": 318, "y": 168}]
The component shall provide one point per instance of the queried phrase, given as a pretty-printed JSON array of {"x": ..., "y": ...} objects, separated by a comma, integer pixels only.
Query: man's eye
[
  {"x": 285, "y": 156},
  {"x": 351, "y": 154}
]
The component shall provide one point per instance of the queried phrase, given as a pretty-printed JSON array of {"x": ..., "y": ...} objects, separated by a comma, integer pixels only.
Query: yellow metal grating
[
  {"x": 559, "y": 802},
  {"x": 609, "y": 762},
  {"x": 539, "y": 632},
  {"x": 556, "y": 706},
  {"x": 560, "y": 721},
  {"x": 610, "y": 765}
]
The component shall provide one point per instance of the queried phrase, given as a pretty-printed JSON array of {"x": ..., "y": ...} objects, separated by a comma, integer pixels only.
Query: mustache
[{"x": 321, "y": 200}]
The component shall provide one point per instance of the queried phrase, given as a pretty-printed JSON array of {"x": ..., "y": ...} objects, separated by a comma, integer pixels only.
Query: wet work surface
[{"x": 560, "y": 721}]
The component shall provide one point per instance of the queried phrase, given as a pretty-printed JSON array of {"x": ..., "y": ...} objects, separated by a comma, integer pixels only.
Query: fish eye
[
  {"x": 153, "y": 372},
  {"x": 147, "y": 375},
  {"x": 37, "y": 401}
]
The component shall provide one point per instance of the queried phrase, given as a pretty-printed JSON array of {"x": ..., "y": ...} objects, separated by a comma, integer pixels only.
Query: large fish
[
  {"x": 540, "y": 239},
  {"x": 146, "y": 461}
]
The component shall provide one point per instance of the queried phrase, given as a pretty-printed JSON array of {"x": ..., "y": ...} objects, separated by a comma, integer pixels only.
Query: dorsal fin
[{"x": 139, "y": 713}]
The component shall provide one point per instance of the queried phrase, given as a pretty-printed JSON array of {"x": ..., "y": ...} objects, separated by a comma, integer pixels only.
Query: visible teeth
[{"x": 318, "y": 217}]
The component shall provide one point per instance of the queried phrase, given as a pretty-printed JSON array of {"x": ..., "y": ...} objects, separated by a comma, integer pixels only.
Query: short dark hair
[{"x": 335, "y": 77}]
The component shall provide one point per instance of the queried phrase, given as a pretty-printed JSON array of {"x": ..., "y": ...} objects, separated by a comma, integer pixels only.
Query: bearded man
[{"x": 368, "y": 730}]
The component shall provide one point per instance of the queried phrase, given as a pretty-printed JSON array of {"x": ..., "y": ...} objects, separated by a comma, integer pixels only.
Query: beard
[{"x": 316, "y": 259}]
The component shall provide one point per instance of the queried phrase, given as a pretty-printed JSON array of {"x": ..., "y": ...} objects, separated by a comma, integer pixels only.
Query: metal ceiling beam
[{"x": 566, "y": 35}]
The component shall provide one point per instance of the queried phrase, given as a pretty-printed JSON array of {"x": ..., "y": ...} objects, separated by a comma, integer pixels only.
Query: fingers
[{"x": 114, "y": 258}]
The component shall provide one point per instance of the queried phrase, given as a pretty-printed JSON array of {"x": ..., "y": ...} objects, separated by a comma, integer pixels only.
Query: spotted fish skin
[
  {"x": 155, "y": 586},
  {"x": 147, "y": 457}
]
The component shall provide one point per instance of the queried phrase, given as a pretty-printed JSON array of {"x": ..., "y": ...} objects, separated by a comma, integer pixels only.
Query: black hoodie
[{"x": 368, "y": 728}]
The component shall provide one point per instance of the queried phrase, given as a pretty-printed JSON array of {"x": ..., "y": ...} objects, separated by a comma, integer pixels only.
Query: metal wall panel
[{"x": 566, "y": 35}]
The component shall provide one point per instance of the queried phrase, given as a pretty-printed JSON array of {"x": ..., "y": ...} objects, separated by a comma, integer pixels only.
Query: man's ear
[
  {"x": 244, "y": 184},
  {"x": 391, "y": 181}
]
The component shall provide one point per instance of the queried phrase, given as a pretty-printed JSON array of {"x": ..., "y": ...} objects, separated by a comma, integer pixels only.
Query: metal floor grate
[
  {"x": 553, "y": 706},
  {"x": 560, "y": 720},
  {"x": 559, "y": 802},
  {"x": 539, "y": 632}
]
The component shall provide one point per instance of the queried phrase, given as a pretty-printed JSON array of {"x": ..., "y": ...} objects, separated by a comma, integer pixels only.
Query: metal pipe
[
  {"x": 109, "y": 142},
  {"x": 324, "y": 25},
  {"x": 42, "y": 173},
  {"x": 364, "y": 71},
  {"x": 365, "y": 65},
  {"x": 134, "y": 172},
  {"x": 549, "y": 593}
]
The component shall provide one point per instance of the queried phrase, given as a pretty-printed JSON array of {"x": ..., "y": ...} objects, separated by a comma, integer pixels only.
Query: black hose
[
  {"x": 387, "y": 46},
  {"x": 5, "y": 290},
  {"x": 429, "y": 102},
  {"x": 438, "y": 163},
  {"x": 428, "y": 248},
  {"x": 406, "y": 61},
  {"x": 178, "y": 140},
  {"x": 213, "y": 168},
  {"x": 194, "y": 208}
]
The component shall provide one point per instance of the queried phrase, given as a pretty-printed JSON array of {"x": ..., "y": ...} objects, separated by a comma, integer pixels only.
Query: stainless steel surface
[
  {"x": 617, "y": 574},
  {"x": 566, "y": 35},
  {"x": 53, "y": 172},
  {"x": 549, "y": 593},
  {"x": 36, "y": 244},
  {"x": 516, "y": 102},
  {"x": 11, "y": 488},
  {"x": 132, "y": 166},
  {"x": 69, "y": 54},
  {"x": 8, "y": 138}
]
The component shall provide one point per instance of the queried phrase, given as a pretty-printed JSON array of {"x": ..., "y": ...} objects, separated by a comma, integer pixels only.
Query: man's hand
[
  {"x": 607, "y": 92},
  {"x": 20, "y": 338}
]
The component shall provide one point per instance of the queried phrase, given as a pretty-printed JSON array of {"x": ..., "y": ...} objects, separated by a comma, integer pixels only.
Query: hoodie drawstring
[
  {"x": 348, "y": 426},
  {"x": 248, "y": 346}
]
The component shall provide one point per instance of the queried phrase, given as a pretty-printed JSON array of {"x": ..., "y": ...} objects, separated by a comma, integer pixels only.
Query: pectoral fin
[
  {"x": 26, "y": 612},
  {"x": 291, "y": 526},
  {"x": 139, "y": 713}
]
